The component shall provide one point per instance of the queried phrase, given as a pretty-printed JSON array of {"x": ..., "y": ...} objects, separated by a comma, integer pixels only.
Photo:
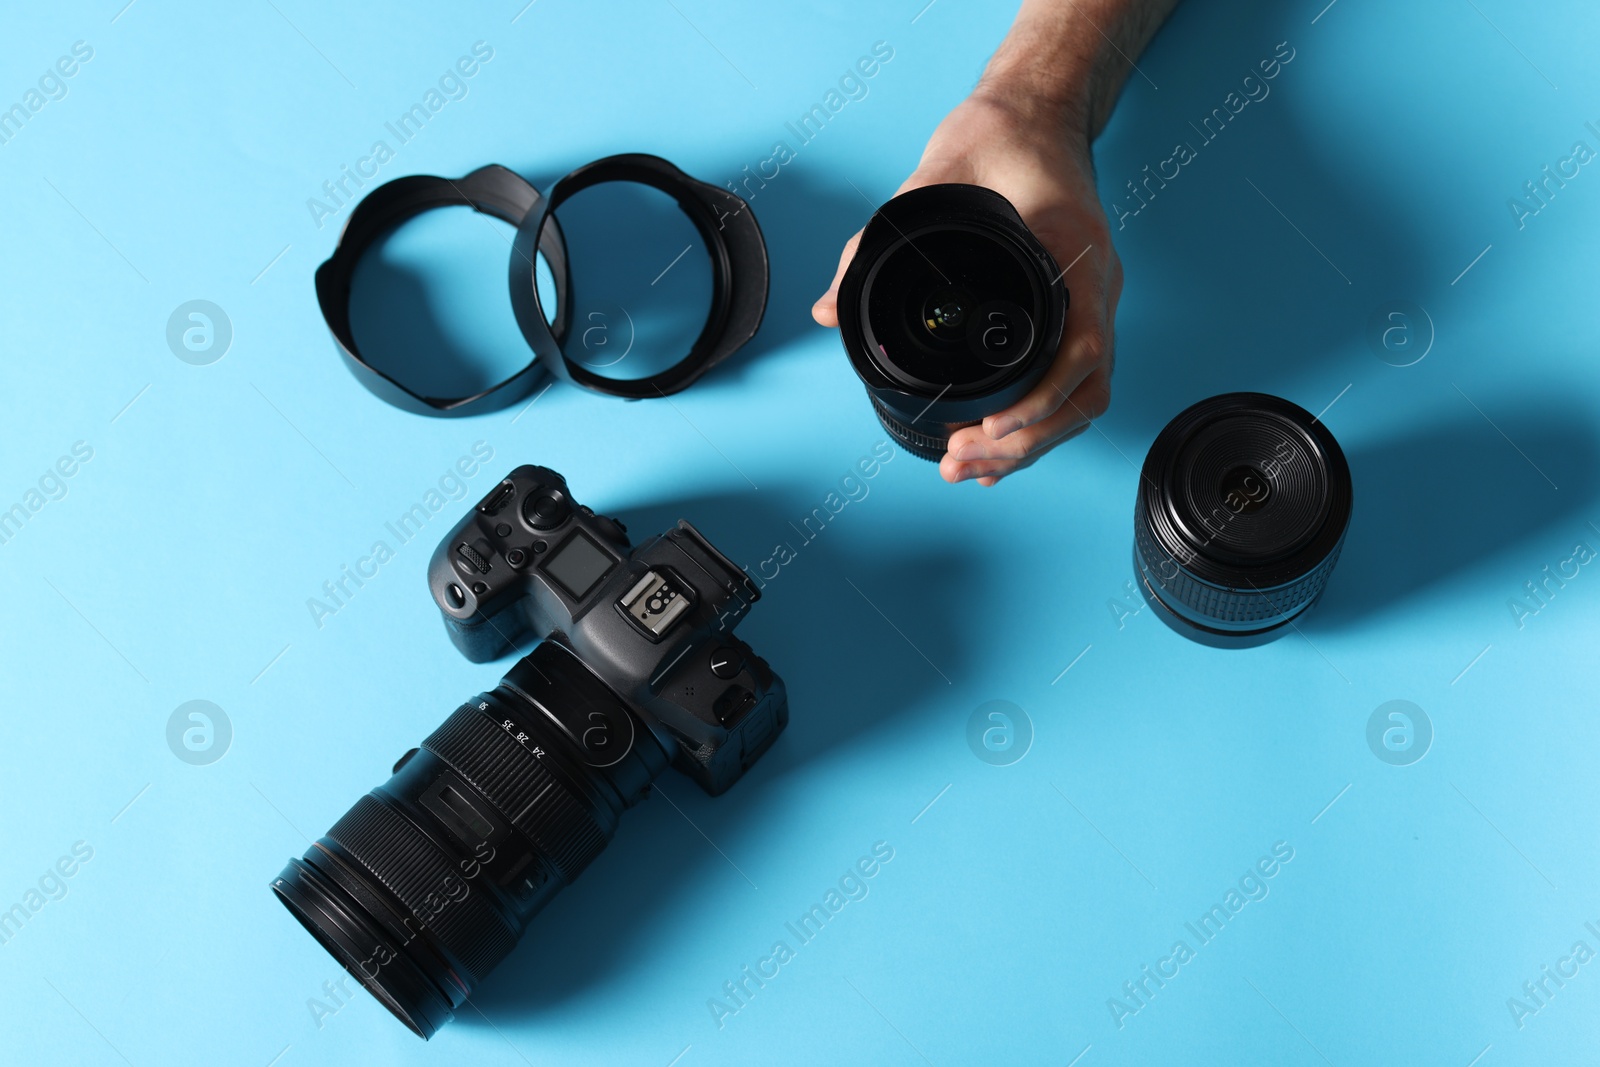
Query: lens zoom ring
[
  {"x": 535, "y": 801},
  {"x": 421, "y": 876},
  {"x": 1233, "y": 606}
]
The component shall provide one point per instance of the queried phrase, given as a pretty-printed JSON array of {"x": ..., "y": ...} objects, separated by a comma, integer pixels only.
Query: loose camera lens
[
  {"x": 950, "y": 311},
  {"x": 1243, "y": 504}
]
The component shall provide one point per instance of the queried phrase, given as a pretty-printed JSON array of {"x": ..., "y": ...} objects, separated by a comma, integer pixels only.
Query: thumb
[{"x": 826, "y": 309}]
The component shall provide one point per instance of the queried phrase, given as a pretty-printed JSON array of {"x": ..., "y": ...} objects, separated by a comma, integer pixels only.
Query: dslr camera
[{"x": 429, "y": 881}]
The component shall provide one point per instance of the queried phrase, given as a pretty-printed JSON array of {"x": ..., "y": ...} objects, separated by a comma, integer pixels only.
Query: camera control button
[
  {"x": 726, "y": 663},
  {"x": 475, "y": 557},
  {"x": 546, "y": 510},
  {"x": 732, "y": 705}
]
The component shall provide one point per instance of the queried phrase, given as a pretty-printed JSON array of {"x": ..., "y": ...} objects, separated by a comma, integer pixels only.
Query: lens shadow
[
  {"x": 1433, "y": 500},
  {"x": 1257, "y": 263},
  {"x": 847, "y": 671}
]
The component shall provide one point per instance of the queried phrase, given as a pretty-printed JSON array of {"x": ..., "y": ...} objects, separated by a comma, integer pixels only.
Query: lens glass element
[{"x": 949, "y": 307}]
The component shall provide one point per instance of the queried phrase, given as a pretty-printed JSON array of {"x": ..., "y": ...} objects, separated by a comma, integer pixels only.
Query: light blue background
[{"x": 179, "y": 563}]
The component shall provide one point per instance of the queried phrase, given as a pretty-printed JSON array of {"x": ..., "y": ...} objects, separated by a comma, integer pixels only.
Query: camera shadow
[
  {"x": 847, "y": 672},
  {"x": 1433, "y": 500}
]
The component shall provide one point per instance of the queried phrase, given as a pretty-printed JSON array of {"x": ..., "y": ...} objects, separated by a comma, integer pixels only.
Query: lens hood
[
  {"x": 739, "y": 273},
  {"x": 492, "y": 190}
]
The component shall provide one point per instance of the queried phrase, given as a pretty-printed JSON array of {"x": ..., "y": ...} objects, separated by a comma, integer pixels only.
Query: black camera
[
  {"x": 426, "y": 884},
  {"x": 950, "y": 311}
]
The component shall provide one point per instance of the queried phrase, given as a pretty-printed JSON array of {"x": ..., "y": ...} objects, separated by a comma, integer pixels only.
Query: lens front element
[{"x": 951, "y": 310}]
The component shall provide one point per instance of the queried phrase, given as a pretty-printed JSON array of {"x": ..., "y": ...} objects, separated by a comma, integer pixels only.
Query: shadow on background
[
  {"x": 1440, "y": 497},
  {"x": 430, "y": 308},
  {"x": 847, "y": 672},
  {"x": 1265, "y": 259},
  {"x": 1262, "y": 261},
  {"x": 806, "y": 224}
]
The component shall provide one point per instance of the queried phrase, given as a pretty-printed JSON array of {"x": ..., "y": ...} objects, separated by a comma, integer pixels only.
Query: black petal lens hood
[
  {"x": 492, "y": 190},
  {"x": 739, "y": 274}
]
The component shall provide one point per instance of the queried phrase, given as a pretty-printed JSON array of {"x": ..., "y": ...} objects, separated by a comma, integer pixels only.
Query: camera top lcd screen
[{"x": 578, "y": 565}]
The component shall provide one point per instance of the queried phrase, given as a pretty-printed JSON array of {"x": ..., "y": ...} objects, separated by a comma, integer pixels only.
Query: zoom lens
[
  {"x": 950, "y": 311},
  {"x": 428, "y": 882},
  {"x": 1242, "y": 509}
]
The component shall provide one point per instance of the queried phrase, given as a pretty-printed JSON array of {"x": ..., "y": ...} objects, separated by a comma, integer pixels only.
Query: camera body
[{"x": 653, "y": 622}]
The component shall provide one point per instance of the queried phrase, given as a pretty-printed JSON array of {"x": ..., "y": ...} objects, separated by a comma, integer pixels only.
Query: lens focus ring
[
  {"x": 1209, "y": 603},
  {"x": 919, "y": 444},
  {"x": 400, "y": 857},
  {"x": 522, "y": 788}
]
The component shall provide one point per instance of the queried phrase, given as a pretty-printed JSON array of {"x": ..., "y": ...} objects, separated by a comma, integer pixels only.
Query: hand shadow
[
  {"x": 847, "y": 671},
  {"x": 1439, "y": 497}
]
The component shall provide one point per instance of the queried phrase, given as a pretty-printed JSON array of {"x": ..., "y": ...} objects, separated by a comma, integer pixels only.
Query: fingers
[
  {"x": 826, "y": 309},
  {"x": 988, "y": 472},
  {"x": 1086, "y": 344},
  {"x": 974, "y": 454}
]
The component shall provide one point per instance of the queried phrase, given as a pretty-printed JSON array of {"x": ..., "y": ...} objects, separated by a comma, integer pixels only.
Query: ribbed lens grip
[
  {"x": 1229, "y": 607},
  {"x": 919, "y": 444},
  {"x": 559, "y": 824},
  {"x": 422, "y": 877}
]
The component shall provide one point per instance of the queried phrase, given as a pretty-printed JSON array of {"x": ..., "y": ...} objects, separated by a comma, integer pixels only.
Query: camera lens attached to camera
[
  {"x": 1243, "y": 504},
  {"x": 950, "y": 311},
  {"x": 428, "y": 882}
]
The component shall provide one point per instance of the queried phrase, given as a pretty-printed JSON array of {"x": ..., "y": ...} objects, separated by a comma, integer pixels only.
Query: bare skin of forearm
[{"x": 1067, "y": 60}]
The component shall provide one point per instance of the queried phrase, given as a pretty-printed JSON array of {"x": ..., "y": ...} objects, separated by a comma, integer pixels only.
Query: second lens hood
[
  {"x": 739, "y": 274},
  {"x": 733, "y": 240}
]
